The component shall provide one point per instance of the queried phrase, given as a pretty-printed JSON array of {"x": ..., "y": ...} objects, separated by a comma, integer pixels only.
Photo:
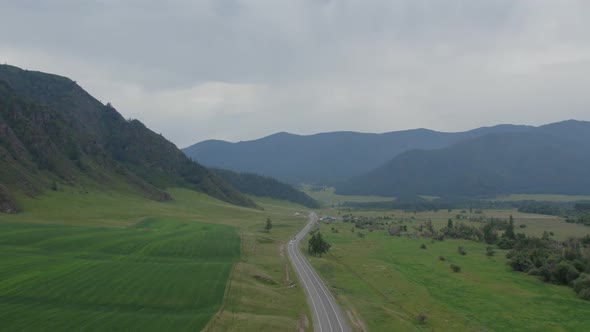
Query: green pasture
[
  {"x": 388, "y": 281},
  {"x": 91, "y": 259},
  {"x": 328, "y": 198},
  {"x": 160, "y": 274}
]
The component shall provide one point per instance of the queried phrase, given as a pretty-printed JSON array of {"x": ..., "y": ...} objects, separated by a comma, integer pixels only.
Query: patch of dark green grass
[{"x": 159, "y": 275}]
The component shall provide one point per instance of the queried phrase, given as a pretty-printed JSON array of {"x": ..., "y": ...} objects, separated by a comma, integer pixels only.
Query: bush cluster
[{"x": 565, "y": 263}]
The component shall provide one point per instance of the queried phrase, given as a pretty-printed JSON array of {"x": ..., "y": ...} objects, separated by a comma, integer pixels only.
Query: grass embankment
[
  {"x": 389, "y": 281},
  {"x": 102, "y": 260}
]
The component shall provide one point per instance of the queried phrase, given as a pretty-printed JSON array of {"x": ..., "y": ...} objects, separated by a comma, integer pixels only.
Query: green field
[
  {"x": 535, "y": 224},
  {"x": 328, "y": 198},
  {"x": 541, "y": 197},
  {"x": 161, "y": 274},
  {"x": 100, "y": 260},
  {"x": 386, "y": 282}
]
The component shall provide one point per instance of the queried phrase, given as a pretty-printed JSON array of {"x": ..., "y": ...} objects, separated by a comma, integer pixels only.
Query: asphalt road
[{"x": 327, "y": 316}]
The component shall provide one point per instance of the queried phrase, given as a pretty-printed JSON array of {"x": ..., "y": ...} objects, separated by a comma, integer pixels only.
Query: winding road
[{"x": 327, "y": 316}]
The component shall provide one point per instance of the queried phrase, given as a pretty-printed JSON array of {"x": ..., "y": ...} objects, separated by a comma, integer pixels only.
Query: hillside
[
  {"x": 325, "y": 158},
  {"x": 263, "y": 186},
  {"x": 549, "y": 159},
  {"x": 52, "y": 132}
]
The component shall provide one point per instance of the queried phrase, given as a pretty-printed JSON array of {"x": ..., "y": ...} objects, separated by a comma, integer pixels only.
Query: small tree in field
[
  {"x": 268, "y": 225},
  {"x": 317, "y": 245}
]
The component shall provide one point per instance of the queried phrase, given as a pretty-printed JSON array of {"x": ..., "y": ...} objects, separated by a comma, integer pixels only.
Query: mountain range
[
  {"x": 53, "y": 133},
  {"x": 550, "y": 159},
  {"x": 487, "y": 161},
  {"x": 325, "y": 158}
]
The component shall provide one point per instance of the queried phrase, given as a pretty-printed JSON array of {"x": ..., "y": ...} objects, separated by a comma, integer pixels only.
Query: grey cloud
[{"x": 239, "y": 69}]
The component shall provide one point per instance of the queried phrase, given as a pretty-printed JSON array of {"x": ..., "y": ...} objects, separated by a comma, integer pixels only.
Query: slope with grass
[{"x": 53, "y": 133}]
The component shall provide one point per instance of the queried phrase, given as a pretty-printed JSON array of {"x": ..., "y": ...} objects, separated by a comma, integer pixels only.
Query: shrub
[
  {"x": 522, "y": 226},
  {"x": 441, "y": 258},
  {"x": 455, "y": 268},
  {"x": 582, "y": 286},
  {"x": 490, "y": 251},
  {"x": 505, "y": 243},
  {"x": 422, "y": 317},
  {"x": 422, "y": 246},
  {"x": 461, "y": 250},
  {"x": 585, "y": 294}
]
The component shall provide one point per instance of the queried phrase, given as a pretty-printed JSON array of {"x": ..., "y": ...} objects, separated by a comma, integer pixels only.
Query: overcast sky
[{"x": 243, "y": 69}]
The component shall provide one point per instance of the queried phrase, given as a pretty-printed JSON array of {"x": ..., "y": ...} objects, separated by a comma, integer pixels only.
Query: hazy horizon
[{"x": 384, "y": 132}]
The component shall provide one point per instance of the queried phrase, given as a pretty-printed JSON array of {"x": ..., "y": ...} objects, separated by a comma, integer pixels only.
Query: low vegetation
[{"x": 559, "y": 262}]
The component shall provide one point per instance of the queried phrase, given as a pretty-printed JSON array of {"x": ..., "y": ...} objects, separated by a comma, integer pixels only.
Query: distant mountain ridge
[
  {"x": 325, "y": 158},
  {"x": 262, "y": 186},
  {"x": 52, "y": 131},
  {"x": 554, "y": 159}
]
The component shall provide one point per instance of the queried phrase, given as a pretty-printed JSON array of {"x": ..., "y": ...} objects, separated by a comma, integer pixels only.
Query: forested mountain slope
[
  {"x": 263, "y": 186},
  {"x": 53, "y": 132},
  {"x": 549, "y": 159},
  {"x": 326, "y": 158}
]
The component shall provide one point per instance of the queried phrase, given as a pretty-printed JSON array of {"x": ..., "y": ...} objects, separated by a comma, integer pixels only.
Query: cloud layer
[{"x": 241, "y": 69}]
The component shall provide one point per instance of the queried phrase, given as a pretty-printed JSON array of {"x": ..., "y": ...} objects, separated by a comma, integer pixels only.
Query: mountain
[
  {"x": 263, "y": 186},
  {"x": 52, "y": 131},
  {"x": 549, "y": 159},
  {"x": 325, "y": 158}
]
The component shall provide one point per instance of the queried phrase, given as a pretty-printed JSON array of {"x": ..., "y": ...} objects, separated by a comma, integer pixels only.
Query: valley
[{"x": 107, "y": 225}]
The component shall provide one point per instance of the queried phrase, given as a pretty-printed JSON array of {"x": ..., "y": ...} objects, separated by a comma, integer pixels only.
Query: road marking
[
  {"x": 307, "y": 272},
  {"x": 311, "y": 297},
  {"x": 303, "y": 267},
  {"x": 328, "y": 297}
]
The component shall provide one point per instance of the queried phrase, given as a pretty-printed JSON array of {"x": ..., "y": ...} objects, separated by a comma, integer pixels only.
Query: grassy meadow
[
  {"x": 102, "y": 260},
  {"x": 328, "y": 197},
  {"x": 543, "y": 197},
  {"x": 384, "y": 283}
]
